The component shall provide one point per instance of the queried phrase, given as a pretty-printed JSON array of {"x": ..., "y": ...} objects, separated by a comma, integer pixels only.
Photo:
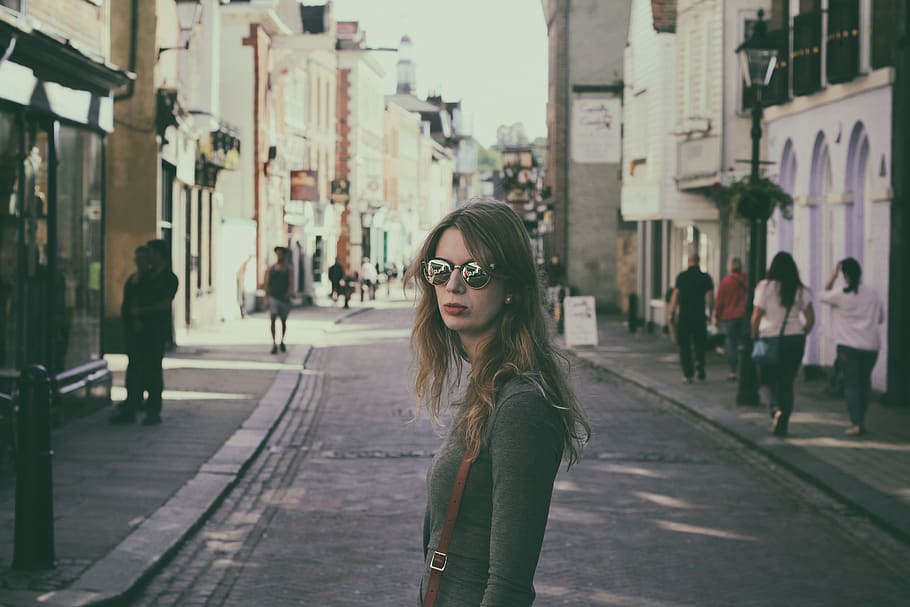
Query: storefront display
[{"x": 52, "y": 131}]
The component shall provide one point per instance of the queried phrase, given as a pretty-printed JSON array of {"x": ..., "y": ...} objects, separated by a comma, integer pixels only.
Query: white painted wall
[{"x": 843, "y": 116}]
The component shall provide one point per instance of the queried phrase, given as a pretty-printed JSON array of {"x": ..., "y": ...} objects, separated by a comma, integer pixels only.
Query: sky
[{"x": 490, "y": 54}]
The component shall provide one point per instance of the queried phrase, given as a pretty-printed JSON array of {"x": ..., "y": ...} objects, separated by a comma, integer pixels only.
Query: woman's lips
[{"x": 454, "y": 309}]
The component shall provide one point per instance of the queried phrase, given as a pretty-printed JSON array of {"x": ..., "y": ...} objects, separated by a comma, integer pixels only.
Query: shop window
[
  {"x": 79, "y": 263},
  {"x": 9, "y": 239}
]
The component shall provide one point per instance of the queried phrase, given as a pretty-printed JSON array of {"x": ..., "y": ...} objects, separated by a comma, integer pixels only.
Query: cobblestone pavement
[{"x": 664, "y": 510}]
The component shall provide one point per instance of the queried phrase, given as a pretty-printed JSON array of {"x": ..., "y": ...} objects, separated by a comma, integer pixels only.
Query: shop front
[{"x": 55, "y": 109}]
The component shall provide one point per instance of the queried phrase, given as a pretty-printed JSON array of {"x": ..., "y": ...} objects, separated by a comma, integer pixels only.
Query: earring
[{"x": 508, "y": 299}]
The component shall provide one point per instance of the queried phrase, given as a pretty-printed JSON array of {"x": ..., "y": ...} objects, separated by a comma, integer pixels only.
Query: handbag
[
  {"x": 440, "y": 556},
  {"x": 766, "y": 350}
]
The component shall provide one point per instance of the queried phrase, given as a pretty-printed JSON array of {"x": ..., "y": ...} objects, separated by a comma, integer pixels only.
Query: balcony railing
[{"x": 842, "y": 41}]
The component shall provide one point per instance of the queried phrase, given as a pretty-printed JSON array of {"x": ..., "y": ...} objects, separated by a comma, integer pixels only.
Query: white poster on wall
[
  {"x": 580, "y": 321},
  {"x": 596, "y": 130}
]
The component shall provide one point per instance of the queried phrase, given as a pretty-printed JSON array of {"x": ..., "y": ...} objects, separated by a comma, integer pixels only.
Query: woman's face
[{"x": 472, "y": 313}]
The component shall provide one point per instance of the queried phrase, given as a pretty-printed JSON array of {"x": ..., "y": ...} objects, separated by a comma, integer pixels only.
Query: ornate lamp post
[{"x": 758, "y": 58}]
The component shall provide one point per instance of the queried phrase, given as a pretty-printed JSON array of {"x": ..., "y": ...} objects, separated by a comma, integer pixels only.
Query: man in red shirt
[{"x": 730, "y": 311}]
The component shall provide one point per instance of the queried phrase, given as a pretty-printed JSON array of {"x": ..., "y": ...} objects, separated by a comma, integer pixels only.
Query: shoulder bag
[
  {"x": 440, "y": 555},
  {"x": 766, "y": 350}
]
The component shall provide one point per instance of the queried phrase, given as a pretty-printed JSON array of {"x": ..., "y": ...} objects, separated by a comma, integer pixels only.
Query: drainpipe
[{"x": 134, "y": 28}]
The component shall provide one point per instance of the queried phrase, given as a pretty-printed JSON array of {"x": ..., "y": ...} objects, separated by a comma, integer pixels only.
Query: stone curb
[{"x": 886, "y": 511}]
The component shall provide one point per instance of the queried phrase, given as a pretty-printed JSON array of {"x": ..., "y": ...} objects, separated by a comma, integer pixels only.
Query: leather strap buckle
[{"x": 438, "y": 562}]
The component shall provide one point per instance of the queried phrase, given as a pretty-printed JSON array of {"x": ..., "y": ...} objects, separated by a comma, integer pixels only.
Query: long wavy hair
[
  {"x": 519, "y": 347},
  {"x": 783, "y": 269}
]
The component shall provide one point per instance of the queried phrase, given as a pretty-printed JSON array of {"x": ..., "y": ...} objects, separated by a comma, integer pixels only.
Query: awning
[{"x": 49, "y": 74}]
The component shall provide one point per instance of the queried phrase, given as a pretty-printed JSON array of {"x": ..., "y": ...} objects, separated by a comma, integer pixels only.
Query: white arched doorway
[
  {"x": 857, "y": 184},
  {"x": 819, "y": 349},
  {"x": 780, "y": 226}
]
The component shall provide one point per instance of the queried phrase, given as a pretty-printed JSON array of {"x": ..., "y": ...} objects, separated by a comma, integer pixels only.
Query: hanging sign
[{"x": 304, "y": 185}]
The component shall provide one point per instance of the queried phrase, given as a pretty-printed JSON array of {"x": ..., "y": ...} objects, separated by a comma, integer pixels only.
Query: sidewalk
[
  {"x": 871, "y": 472},
  {"x": 126, "y": 496}
]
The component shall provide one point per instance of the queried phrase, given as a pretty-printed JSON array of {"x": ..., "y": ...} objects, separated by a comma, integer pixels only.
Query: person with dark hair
[
  {"x": 336, "y": 277},
  {"x": 150, "y": 310},
  {"x": 135, "y": 387},
  {"x": 857, "y": 313},
  {"x": 730, "y": 312},
  {"x": 278, "y": 291},
  {"x": 480, "y": 302},
  {"x": 782, "y": 307},
  {"x": 693, "y": 293}
]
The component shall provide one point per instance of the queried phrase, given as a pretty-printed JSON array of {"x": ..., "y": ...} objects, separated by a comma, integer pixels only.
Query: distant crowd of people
[{"x": 782, "y": 316}]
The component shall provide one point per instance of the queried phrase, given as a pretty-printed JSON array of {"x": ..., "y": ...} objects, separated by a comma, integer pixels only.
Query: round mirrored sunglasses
[{"x": 437, "y": 271}]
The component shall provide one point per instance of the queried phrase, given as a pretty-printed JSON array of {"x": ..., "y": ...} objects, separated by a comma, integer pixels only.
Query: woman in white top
[
  {"x": 857, "y": 313},
  {"x": 781, "y": 300}
]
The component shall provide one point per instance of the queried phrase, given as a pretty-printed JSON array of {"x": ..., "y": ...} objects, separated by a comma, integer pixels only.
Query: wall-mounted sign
[
  {"x": 341, "y": 191},
  {"x": 596, "y": 130},
  {"x": 305, "y": 185}
]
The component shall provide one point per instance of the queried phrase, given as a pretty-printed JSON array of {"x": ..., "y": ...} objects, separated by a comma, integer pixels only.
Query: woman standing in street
[
  {"x": 778, "y": 302},
  {"x": 857, "y": 313},
  {"x": 480, "y": 303}
]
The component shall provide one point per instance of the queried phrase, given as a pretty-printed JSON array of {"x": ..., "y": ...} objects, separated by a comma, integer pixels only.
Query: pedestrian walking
[
  {"x": 336, "y": 275},
  {"x": 857, "y": 313},
  {"x": 730, "y": 312},
  {"x": 480, "y": 302},
  {"x": 782, "y": 308},
  {"x": 149, "y": 308},
  {"x": 693, "y": 293},
  {"x": 278, "y": 290},
  {"x": 369, "y": 278}
]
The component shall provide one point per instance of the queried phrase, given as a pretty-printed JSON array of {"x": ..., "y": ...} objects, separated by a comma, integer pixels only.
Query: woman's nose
[{"x": 455, "y": 283}]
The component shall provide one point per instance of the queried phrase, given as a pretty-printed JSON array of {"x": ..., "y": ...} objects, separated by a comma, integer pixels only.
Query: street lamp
[
  {"x": 189, "y": 15},
  {"x": 758, "y": 58}
]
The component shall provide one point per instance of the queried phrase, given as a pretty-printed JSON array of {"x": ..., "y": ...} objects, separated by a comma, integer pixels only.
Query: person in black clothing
[
  {"x": 278, "y": 290},
  {"x": 694, "y": 291},
  {"x": 336, "y": 275},
  {"x": 149, "y": 308},
  {"x": 135, "y": 388}
]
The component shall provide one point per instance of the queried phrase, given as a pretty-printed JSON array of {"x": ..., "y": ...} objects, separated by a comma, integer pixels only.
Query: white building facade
[{"x": 670, "y": 221}]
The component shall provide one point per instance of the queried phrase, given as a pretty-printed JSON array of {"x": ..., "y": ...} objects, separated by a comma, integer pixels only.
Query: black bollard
[
  {"x": 633, "y": 313},
  {"x": 34, "y": 529}
]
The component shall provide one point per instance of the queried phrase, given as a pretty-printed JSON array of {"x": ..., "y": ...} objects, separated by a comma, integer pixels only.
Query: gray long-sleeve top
[{"x": 500, "y": 527}]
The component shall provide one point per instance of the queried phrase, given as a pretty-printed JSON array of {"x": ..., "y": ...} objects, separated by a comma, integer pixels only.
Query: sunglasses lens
[
  {"x": 438, "y": 271},
  {"x": 474, "y": 275}
]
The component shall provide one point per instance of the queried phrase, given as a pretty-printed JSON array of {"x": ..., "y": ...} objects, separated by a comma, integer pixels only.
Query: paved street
[{"x": 664, "y": 511}]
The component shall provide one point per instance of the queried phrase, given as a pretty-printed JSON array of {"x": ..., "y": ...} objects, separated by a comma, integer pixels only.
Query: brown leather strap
[{"x": 440, "y": 555}]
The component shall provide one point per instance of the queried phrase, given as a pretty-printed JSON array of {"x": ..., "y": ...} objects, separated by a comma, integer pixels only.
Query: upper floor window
[{"x": 15, "y": 5}]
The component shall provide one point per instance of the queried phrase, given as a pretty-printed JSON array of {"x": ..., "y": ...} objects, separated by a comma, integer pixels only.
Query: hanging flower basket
[{"x": 754, "y": 200}]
